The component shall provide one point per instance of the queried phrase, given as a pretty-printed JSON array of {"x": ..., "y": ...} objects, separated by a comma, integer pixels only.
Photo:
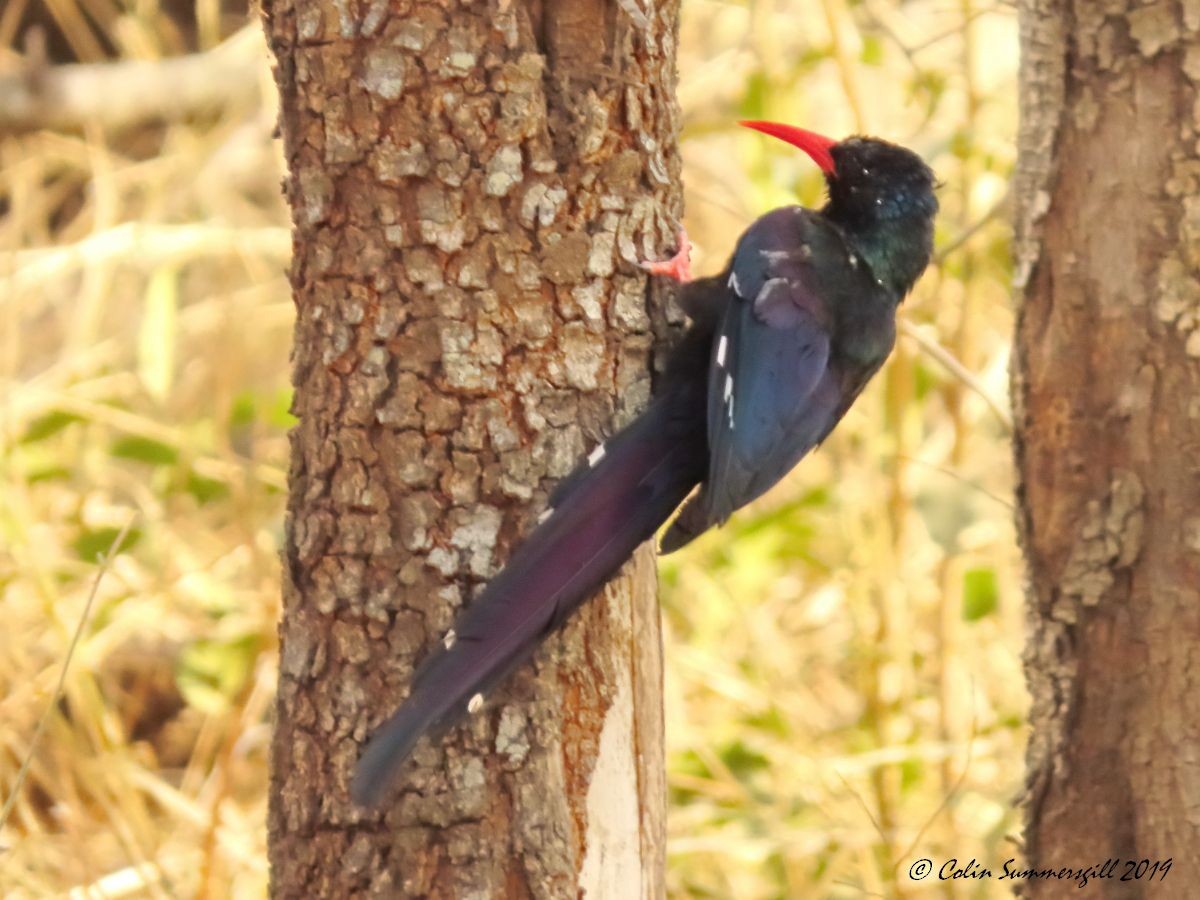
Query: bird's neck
[{"x": 897, "y": 249}]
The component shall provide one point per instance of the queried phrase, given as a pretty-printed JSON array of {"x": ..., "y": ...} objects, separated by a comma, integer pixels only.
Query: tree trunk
[
  {"x": 470, "y": 186},
  {"x": 1107, "y": 392}
]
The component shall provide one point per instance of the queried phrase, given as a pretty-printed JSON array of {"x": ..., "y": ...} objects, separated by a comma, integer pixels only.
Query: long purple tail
[{"x": 612, "y": 503}]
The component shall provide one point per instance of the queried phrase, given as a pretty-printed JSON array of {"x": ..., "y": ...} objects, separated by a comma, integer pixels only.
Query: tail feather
[{"x": 614, "y": 502}]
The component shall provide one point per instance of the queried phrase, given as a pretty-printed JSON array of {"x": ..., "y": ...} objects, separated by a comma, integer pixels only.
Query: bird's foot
[{"x": 678, "y": 266}]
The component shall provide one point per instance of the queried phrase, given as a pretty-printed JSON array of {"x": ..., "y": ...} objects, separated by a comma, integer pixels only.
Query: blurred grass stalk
[
  {"x": 912, "y": 541},
  {"x": 145, "y": 325},
  {"x": 844, "y": 687}
]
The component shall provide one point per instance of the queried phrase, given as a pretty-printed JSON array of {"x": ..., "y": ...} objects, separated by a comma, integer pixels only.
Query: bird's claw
[{"x": 678, "y": 266}]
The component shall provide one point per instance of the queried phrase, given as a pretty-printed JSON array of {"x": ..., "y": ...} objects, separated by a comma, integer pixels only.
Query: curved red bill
[{"x": 815, "y": 145}]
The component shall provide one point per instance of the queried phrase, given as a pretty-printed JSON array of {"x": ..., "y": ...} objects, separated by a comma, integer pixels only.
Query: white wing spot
[
  {"x": 728, "y": 386},
  {"x": 724, "y": 342},
  {"x": 853, "y": 260},
  {"x": 546, "y": 513},
  {"x": 768, "y": 286},
  {"x": 733, "y": 284},
  {"x": 731, "y": 414},
  {"x": 475, "y": 704},
  {"x": 449, "y": 640},
  {"x": 596, "y": 455},
  {"x": 775, "y": 255}
]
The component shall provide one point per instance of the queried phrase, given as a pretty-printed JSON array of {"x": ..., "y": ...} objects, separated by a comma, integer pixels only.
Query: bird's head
[{"x": 880, "y": 193}]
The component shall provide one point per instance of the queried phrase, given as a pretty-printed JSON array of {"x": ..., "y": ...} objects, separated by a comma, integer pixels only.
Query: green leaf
[
  {"x": 742, "y": 760},
  {"x": 771, "y": 720},
  {"x": 274, "y": 409},
  {"x": 92, "y": 542},
  {"x": 206, "y": 490},
  {"x": 48, "y": 425},
  {"x": 912, "y": 770},
  {"x": 213, "y": 672},
  {"x": 872, "y": 50},
  {"x": 689, "y": 762},
  {"x": 279, "y": 412},
  {"x": 157, "y": 336},
  {"x": 961, "y": 144},
  {"x": 981, "y": 594},
  {"x": 244, "y": 411},
  {"x": 48, "y": 473},
  {"x": 143, "y": 449},
  {"x": 754, "y": 100},
  {"x": 924, "y": 380},
  {"x": 789, "y": 516}
]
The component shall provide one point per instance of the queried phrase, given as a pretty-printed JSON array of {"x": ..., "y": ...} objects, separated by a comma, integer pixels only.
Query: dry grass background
[{"x": 844, "y": 684}]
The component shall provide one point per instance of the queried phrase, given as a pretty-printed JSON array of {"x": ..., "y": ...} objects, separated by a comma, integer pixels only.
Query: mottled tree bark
[
  {"x": 1107, "y": 393},
  {"x": 471, "y": 184}
]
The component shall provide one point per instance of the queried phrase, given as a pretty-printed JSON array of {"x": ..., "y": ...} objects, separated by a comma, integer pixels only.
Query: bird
[{"x": 779, "y": 345}]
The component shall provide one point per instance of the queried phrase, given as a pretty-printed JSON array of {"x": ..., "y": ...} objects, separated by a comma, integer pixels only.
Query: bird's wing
[{"x": 773, "y": 391}]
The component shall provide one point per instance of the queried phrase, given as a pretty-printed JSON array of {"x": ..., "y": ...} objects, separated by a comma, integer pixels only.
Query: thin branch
[
  {"x": 845, "y": 65},
  {"x": 36, "y": 401},
  {"x": 955, "y": 368},
  {"x": 103, "y": 562},
  {"x": 973, "y": 229},
  {"x": 955, "y": 789},
  {"x": 120, "y": 94},
  {"x": 143, "y": 245},
  {"x": 962, "y": 479}
]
